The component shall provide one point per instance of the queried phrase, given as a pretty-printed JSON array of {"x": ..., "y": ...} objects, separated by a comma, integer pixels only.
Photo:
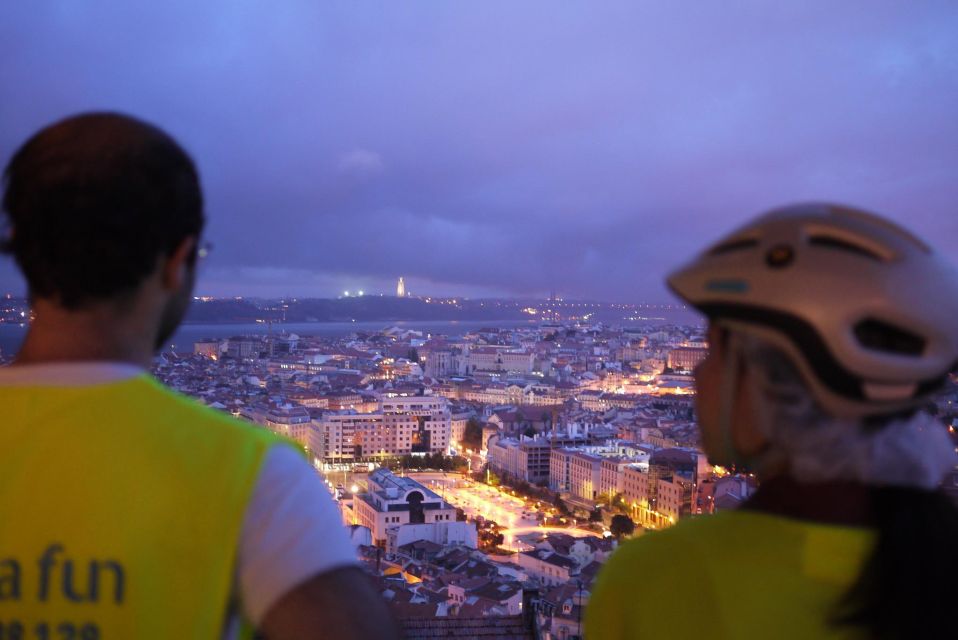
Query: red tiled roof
[{"x": 487, "y": 628}]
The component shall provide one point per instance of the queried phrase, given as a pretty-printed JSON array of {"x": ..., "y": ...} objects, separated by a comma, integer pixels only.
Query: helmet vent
[
  {"x": 734, "y": 245},
  {"x": 882, "y": 336},
  {"x": 840, "y": 244}
]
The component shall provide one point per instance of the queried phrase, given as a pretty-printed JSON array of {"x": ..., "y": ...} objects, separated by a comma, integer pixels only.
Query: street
[{"x": 515, "y": 515}]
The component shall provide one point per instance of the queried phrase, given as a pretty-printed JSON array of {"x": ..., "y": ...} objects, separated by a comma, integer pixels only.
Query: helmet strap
[{"x": 728, "y": 393}]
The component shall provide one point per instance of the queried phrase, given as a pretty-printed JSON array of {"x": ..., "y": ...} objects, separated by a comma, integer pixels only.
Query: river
[{"x": 11, "y": 335}]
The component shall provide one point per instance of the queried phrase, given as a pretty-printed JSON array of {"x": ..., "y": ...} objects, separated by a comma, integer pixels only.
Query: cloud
[
  {"x": 514, "y": 147},
  {"x": 361, "y": 162}
]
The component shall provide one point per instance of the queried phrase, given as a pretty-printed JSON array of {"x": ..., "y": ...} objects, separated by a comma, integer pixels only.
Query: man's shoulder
[
  {"x": 176, "y": 409},
  {"x": 161, "y": 395}
]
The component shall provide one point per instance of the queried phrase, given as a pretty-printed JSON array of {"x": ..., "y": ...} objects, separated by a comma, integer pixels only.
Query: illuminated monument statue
[{"x": 401, "y": 288}]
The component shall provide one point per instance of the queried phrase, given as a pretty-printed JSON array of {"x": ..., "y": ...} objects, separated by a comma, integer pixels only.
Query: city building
[
  {"x": 443, "y": 533},
  {"x": 210, "y": 348},
  {"x": 547, "y": 567},
  {"x": 349, "y": 437},
  {"x": 244, "y": 347},
  {"x": 686, "y": 358},
  {"x": 527, "y": 459},
  {"x": 441, "y": 363},
  {"x": 457, "y": 427},
  {"x": 392, "y": 501},
  {"x": 664, "y": 490},
  {"x": 586, "y": 473},
  {"x": 585, "y": 408},
  {"x": 434, "y": 422},
  {"x": 500, "y": 360},
  {"x": 343, "y": 400},
  {"x": 292, "y": 422}
]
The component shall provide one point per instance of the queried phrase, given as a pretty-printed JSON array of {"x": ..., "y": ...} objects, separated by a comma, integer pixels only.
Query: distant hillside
[{"x": 360, "y": 309}]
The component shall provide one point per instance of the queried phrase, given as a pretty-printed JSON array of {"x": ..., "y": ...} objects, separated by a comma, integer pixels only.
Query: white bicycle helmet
[{"x": 867, "y": 311}]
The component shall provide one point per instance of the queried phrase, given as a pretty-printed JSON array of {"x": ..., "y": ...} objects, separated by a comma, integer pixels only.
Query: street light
[{"x": 354, "y": 488}]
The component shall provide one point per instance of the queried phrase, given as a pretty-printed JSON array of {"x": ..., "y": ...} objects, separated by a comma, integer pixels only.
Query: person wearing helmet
[{"x": 830, "y": 329}]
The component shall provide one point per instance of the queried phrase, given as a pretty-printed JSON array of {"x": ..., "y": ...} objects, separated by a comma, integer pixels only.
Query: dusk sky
[{"x": 505, "y": 148}]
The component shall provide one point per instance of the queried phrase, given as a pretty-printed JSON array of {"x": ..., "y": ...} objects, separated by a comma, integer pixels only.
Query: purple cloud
[{"x": 506, "y": 148}]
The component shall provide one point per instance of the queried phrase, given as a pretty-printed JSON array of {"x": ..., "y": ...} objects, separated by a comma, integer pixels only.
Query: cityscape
[
  {"x": 485, "y": 475},
  {"x": 497, "y": 321}
]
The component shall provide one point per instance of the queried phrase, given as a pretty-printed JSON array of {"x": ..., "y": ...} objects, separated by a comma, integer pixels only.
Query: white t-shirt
[{"x": 292, "y": 529}]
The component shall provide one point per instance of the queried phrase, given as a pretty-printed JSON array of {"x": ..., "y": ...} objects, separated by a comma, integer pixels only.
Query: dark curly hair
[{"x": 93, "y": 201}]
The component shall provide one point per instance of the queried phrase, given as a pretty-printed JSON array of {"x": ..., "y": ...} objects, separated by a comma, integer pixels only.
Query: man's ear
[{"x": 176, "y": 267}]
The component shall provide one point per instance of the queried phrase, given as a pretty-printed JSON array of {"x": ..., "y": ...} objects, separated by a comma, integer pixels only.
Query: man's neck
[{"x": 90, "y": 335}]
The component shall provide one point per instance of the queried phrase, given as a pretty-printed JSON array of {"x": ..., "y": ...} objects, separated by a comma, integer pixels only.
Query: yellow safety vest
[
  {"x": 120, "y": 511},
  {"x": 737, "y": 574}
]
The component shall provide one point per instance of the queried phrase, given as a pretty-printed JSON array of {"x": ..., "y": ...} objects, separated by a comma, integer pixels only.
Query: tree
[
  {"x": 621, "y": 525},
  {"x": 596, "y": 515},
  {"x": 472, "y": 436},
  {"x": 618, "y": 502},
  {"x": 413, "y": 355},
  {"x": 611, "y": 499},
  {"x": 560, "y": 506}
]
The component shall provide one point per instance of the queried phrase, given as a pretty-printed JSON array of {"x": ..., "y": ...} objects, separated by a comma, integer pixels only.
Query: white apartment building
[
  {"x": 559, "y": 463},
  {"x": 502, "y": 455},
  {"x": 586, "y": 473},
  {"x": 610, "y": 474},
  {"x": 348, "y": 437},
  {"x": 402, "y": 425},
  {"x": 434, "y": 432}
]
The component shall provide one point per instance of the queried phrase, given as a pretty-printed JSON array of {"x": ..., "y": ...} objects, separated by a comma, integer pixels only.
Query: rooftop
[{"x": 487, "y": 628}]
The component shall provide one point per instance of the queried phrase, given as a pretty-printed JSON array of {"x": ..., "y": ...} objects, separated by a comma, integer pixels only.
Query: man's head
[{"x": 97, "y": 205}]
